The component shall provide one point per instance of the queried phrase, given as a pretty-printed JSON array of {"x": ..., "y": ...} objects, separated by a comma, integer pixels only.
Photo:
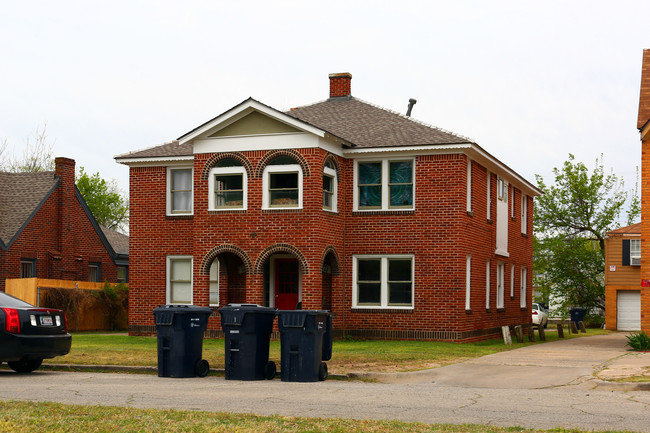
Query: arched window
[
  {"x": 330, "y": 186},
  {"x": 282, "y": 184},
  {"x": 227, "y": 186}
]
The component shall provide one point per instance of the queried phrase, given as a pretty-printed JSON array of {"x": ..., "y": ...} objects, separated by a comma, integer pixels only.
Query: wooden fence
[{"x": 92, "y": 318}]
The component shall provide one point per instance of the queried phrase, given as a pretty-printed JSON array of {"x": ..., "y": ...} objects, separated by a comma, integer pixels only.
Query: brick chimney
[
  {"x": 65, "y": 171},
  {"x": 340, "y": 84}
]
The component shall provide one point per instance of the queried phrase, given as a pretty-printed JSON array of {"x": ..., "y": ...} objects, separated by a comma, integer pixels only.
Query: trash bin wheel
[
  {"x": 270, "y": 370},
  {"x": 202, "y": 368},
  {"x": 322, "y": 371}
]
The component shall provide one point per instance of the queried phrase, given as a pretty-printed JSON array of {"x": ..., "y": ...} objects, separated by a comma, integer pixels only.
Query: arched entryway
[
  {"x": 227, "y": 267},
  {"x": 329, "y": 268},
  {"x": 282, "y": 267}
]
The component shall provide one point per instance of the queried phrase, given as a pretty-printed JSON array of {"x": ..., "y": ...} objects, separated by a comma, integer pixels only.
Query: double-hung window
[
  {"x": 214, "y": 284},
  {"x": 635, "y": 252},
  {"x": 383, "y": 281},
  {"x": 179, "y": 190},
  {"x": 27, "y": 268},
  {"x": 282, "y": 184},
  {"x": 95, "y": 272},
  {"x": 329, "y": 187},
  {"x": 522, "y": 287},
  {"x": 179, "y": 279},
  {"x": 524, "y": 213},
  {"x": 228, "y": 185},
  {"x": 384, "y": 185}
]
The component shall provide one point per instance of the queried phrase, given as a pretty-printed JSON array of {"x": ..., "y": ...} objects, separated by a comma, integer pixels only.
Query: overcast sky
[{"x": 530, "y": 82}]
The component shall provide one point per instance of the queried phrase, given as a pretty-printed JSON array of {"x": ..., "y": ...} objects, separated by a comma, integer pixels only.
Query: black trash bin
[
  {"x": 577, "y": 315},
  {"x": 247, "y": 328},
  {"x": 305, "y": 341},
  {"x": 180, "y": 331}
]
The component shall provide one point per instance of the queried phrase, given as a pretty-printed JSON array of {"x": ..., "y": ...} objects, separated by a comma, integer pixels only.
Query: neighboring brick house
[
  {"x": 643, "y": 124},
  {"x": 622, "y": 277},
  {"x": 401, "y": 229},
  {"x": 47, "y": 230}
]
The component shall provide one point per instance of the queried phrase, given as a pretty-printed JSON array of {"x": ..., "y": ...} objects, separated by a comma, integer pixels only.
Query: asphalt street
[{"x": 492, "y": 390}]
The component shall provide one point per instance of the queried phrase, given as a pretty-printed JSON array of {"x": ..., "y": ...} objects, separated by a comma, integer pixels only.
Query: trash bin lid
[
  {"x": 233, "y": 314},
  {"x": 182, "y": 309}
]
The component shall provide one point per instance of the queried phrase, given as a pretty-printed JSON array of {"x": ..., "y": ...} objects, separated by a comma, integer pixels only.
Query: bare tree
[{"x": 37, "y": 154}]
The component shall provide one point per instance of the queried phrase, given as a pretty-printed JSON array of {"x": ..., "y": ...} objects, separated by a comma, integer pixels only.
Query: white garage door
[{"x": 628, "y": 311}]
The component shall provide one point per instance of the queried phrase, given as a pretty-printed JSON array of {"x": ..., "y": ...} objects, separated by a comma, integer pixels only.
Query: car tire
[{"x": 25, "y": 365}]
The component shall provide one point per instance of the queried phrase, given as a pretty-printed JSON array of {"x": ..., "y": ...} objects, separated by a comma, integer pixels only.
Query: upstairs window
[
  {"x": 329, "y": 187},
  {"x": 179, "y": 191},
  {"x": 502, "y": 189},
  {"x": 228, "y": 184},
  {"x": 631, "y": 252},
  {"x": 384, "y": 185},
  {"x": 524, "y": 214},
  {"x": 282, "y": 184}
]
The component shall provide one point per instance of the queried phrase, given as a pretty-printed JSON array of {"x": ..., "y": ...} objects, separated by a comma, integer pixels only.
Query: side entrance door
[{"x": 287, "y": 284}]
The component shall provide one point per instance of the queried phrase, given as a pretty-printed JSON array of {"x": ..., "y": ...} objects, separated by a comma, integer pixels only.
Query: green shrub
[{"x": 638, "y": 341}]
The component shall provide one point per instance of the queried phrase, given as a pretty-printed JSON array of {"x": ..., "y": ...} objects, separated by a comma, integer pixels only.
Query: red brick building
[
  {"x": 401, "y": 229},
  {"x": 47, "y": 230},
  {"x": 643, "y": 125}
]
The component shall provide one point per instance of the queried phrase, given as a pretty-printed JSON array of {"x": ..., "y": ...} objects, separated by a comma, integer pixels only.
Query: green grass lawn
[
  {"x": 348, "y": 355},
  {"x": 20, "y": 417}
]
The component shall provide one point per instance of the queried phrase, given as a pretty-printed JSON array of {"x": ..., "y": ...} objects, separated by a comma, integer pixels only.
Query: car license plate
[{"x": 46, "y": 321}]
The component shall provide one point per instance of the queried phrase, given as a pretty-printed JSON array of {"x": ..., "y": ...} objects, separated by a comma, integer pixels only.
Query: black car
[{"x": 29, "y": 334}]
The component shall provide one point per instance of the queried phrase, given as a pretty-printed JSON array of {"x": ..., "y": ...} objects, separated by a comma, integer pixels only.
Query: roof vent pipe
[{"x": 412, "y": 102}]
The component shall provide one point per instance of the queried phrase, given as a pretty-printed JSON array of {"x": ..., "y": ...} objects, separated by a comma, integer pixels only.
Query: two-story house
[{"x": 401, "y": 229}]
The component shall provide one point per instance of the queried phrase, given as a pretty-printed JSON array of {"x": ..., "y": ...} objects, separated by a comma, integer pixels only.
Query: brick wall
[
  {"x": 439, "y": 233},
  {"x": 60, "y": 237}
]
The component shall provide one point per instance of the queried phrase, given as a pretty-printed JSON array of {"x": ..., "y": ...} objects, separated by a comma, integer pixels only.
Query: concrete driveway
[{"x": 544, "y": 386}]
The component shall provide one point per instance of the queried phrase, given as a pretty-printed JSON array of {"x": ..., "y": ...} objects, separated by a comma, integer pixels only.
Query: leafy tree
[
  {"x": 571, "y": 221},
  {"x": 104, "y": 199}
]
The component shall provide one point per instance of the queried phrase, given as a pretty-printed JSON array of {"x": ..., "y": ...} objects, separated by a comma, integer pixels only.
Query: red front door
[{"x": 287, "y": 284}]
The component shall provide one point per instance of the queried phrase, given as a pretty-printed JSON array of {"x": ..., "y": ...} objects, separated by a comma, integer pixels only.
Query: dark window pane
[
  {"x": 369, "y": 270},
  {"x": 228, "y": 181},
  {"x": 370, "y": 196},
  {"x": 401, "y": 195},
  {"x": 369, "y": 293},
  {"x": 327, "y": 183},
  {"x": 399, "y": 270},
  {"x": 284, "y": 198},
  {"x": 229, "y": 198},
  {"x": 228, "y": 162},
  {"x": 370, "y": 173},
  {"x": 284, "y": 180},
  {"x": 401, "y": 172},
  {"x": 399, "y": 293},
  {"x": 282, "y": 160}
]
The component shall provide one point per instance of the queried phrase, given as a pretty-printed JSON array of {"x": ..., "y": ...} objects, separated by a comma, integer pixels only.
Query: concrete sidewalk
[{"x": 587, "y": 360}]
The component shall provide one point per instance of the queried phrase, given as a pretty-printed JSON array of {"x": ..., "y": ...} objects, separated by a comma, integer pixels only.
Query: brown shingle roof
[
  {"x": 634, "y": 229},
  {"x": 164, "y": 150},
  {"x": 21, "y": 194},
  {"x": 644, "y": 97},
  {"x": 118, "y": 241},
  {"x": 366, "y": 125}
]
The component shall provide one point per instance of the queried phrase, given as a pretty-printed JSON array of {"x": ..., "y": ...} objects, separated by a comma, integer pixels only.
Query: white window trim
[
  {"x": 501, "y": 282},
  {"x": 384, "y": 282},
  {"x": 266, "y": 197},
  {"x": 227, "y": 170},
  {"x": 524, "y": 214},
  {"x": 468, "y": 282},
  {"x": 637, "y": 256},
  {"x": 502, "y": 189},
  {"x": 522, "y": 286},
  {"x": 512, "y": 200},
  {"x": 487, "y": 285},
  {"x": 210, "y": 281},
  {"x": 327, "y": 171},
  {"x": 512, "y": 281},
  {"x": 489, "y": 195},
  {"x": 168, "y": 279},
  {"x": 169, "y": 190},
  {"x": 469, "y": 185},
  {"x": 385, "y": 194}
]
